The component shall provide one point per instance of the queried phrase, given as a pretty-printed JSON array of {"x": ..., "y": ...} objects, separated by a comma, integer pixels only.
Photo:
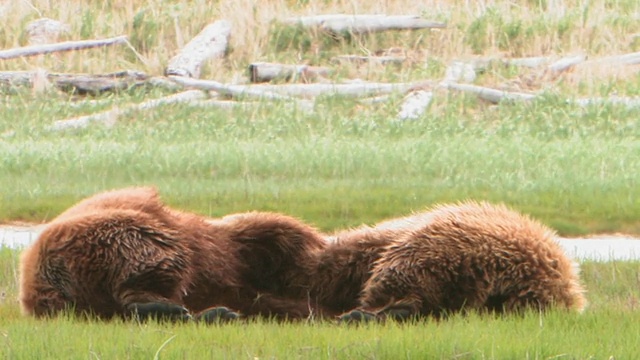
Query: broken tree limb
[
  {"x": 356, "y": 89},
  {"x": 211, "y": 42},
  {"x": 415, "y": 104},
  {"x": 109, "y": 117},
  {"x": 57, "y": 47},
  {"x": 238, "y": 91},
  {"x": 628, "y": 102},
  {"x": 491, "y": 95},
  {"x": 626, "y": 59},
  {"x": 77, "y": 83},
  {"x": 382, "y": 60},
  {"x": 265, "y": 72},
  {"x": 361, "y": 24},
  {"x": 566, "y": 63}
]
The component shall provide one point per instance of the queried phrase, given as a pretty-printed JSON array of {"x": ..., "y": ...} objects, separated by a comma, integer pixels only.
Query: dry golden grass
[{"x": 477, "y": 29}]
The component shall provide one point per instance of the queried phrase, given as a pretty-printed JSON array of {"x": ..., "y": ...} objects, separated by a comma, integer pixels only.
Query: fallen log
[
  {"x": 361, "y": 24},
  {"x": 77, "y": 83},
  {"x": 491, "y": 95},
  {"x": 382, "y": 60},
  {"x": 415, "y": 104},
  {"x": 109, "y": 117},
  {"x": 61, "y": 46},
  {"x": 566, "y": 63},
  {"x": 265, "y": 72},
  {"x": 628, "y": 102},
  {"x": 238, "y": 91},
  {"x": 626, "y": 59},
  {"x": 211, "y": 42},
  {"x": 357, "y": 89}
]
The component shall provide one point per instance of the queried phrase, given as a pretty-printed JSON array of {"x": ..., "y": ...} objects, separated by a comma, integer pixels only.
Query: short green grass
[
  {"x": 342, "y": 165},
  {"x": 345, "y": 163},
  {"x": 609, "y": 328}
]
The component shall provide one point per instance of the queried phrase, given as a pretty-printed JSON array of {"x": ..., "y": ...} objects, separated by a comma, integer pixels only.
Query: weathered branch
[
  {"x": 626, "y": 59},
  {"x": 62, "y": 46},
  {"x": 109, "y": 117},
  {"x": 77, "y": 83},
  {"x": 360, "y": 24},
  {"x": 491, "y": 95},
  {"x": 628, "y": 102},
  {"x": 383, "y": 60},
  {"x": 358, "y": 89},
  {"x": 566, "y": 63},
  {"x": 211, "y": 42},
  {"x": 238, "y": 91},
  {"x": 415, "y": 104},
  {"x": 265, "y": 72}
]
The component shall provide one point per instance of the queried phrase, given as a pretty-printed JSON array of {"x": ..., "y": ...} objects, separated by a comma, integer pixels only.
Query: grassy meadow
[{"x": 346, "y": 162}]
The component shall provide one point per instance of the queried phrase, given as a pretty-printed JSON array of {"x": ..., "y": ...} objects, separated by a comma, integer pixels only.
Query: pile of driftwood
[{"x": 183, "y": 72}]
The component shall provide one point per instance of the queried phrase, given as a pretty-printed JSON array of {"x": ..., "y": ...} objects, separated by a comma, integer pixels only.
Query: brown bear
[
  {"x": 454, "y": 257},
  {"x": 124, "y": 251}
]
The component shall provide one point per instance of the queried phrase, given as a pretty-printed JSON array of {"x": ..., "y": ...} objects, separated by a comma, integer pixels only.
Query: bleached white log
[
  {"x": 383, "y": 60},
  {"x": 78, "y": 83},
  {"x": 626, "y": 59},
  {"x": 239, "y": 91},
  {"x": 109, "y": 117},
  {"x": 286, "y": 91},
  {"x": 567, "y": 62},
  {"x": 358, "y": 89},
  {"x": 359, "y": 24},
  {"x": 61, "y": 46},
  {"x": 492, "y": 95},
  {"x": 628, "y": 102},
  {"x": 211, "y": 42},
  {"x": 415, "y": 104},
  {"x": 265, "y": 72}
]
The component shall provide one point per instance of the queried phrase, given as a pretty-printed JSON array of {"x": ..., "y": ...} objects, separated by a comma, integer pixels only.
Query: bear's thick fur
[
  {"x": 454, "y": 257},
  {"x": 124, "y": 250}
]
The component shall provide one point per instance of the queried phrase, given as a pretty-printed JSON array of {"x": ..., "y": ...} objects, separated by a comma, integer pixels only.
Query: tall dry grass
[{"x": 157, "y": 29}]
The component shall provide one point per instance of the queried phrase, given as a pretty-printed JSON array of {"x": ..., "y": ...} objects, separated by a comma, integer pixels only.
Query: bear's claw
[{"x": 216, "y": 315}]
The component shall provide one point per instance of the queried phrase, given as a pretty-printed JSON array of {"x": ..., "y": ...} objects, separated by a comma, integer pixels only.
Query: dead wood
[
  {"x": 211, "y": 42},
  {"x": 415, "y": 104},
  {"x": 109, "y": 117},
  {"x": 265, "y": 72},
  {"x": 77, "y": 83},
  {"x": 491, "y": 95},
  {"x": 360, "y": 24},
  {"x": 382, "y": 60},
  {"x": 61, "y": 46}
]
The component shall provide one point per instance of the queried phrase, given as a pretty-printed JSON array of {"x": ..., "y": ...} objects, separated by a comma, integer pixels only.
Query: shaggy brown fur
[
  {"x": 124, "y": 250},
  {"x": 455, "y": 257},
  {"x": 120, "y": 250}
]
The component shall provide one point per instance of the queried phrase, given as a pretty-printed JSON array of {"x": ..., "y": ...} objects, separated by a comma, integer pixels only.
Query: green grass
[
  {"x": 342, "y": 165},
  {"x": 609, "y": 327}
]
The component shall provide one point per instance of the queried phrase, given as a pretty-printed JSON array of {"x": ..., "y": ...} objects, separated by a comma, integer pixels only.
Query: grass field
[
  {"x": 609, "y": 328},
  {"x": 342, "y": 164}
]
